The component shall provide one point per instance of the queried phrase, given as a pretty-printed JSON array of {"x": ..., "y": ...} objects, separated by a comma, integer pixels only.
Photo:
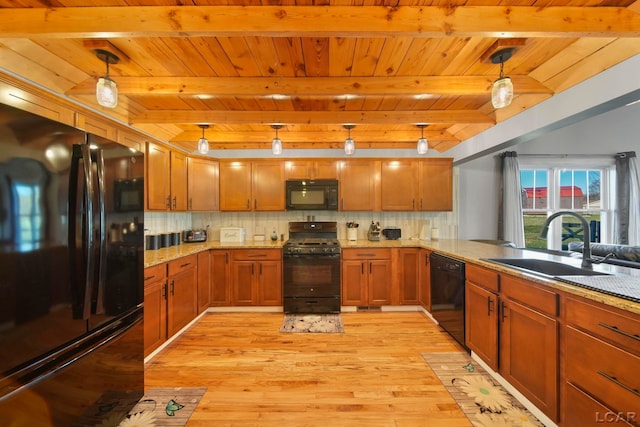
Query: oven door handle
[{"x": 312, "y": 256}]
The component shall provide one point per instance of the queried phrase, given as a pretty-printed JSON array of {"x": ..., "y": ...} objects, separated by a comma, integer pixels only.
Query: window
[
  {"x": 28, "y": 215},
  {"x": 548, "y": 188}
]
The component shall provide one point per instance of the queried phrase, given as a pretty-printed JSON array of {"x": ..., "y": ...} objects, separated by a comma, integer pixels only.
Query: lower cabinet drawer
[
  {"x": 312, "y": 305},
  {"x": 606, "y": 372},
  {"x": 583, "y": 410}
]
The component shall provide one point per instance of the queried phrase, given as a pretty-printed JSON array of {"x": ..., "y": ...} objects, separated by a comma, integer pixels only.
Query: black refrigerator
[{"x": 71, "y": 274}]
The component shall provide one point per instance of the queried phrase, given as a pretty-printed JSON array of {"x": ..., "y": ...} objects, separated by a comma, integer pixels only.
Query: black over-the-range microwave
[{"x": 318, "y": 195}]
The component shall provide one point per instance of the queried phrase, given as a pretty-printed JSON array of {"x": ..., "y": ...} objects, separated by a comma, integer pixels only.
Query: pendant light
[
  {"x": 276, "y": 143},
  {"x": 203, "y": 143},
  {"x": 106, "y": 89},
  {"x": 502, "y": 92},
  {"x": 423, "y": 144},
  {"x": 349, "y": 144}
]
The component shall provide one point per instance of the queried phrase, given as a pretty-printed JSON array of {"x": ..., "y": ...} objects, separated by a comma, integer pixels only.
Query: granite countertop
[
  {"x": 161, "y": 255},
  {"x": 464, "y": 250}
]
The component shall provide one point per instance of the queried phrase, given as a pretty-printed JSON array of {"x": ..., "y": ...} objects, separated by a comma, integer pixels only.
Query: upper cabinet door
[
  {"x": 235, "y": 186},
  {"x": 203, "y": 184},
  {"x": 436, "y": 184},
  {"x": 157, "y": 181},
  {"x": 325, "y": 169},
  {"x": 310, "y": 169},
  {"x": 268, "y": 186},
  {"x": 178, "y": 181},
  {"x": 358, "y": 185},
  {"x": 399, "y": 185}
]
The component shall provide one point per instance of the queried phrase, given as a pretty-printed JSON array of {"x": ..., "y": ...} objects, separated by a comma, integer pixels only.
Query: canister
[
  {"x": 175, "y": 239},
  {"x": 152, "y": 242},
  {"x": 165, "y": 240}
]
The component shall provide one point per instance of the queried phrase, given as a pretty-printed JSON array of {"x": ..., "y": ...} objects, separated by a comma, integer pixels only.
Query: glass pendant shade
[
  {"x": 349, "y": 147},
  {"x": 276, "y": 142},
  {"x": 423, "y": 145},
  {"x": 107, "y": 92},
  {"x": 276, "y": 146},
  {"x": 203, "y": 145},
  {"x": 349, "y": 144},
  {"x": 502, "y": 92}
]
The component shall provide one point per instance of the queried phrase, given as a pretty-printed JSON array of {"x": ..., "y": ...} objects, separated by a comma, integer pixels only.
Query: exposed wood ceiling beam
[
  {"x": 311, "y": 86},
  {"x": 319, "y": 21},
  {"x": 313, "y": 117},
  {"x": 309, "y": 137},
  {"x": 335, "y": 145}
]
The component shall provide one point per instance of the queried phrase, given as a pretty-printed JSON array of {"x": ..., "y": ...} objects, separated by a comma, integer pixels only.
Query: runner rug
[
  {"x": 159, "y": 407},
  {"x": 312, "y": 323},
  {"x": 484, "y": 401}
]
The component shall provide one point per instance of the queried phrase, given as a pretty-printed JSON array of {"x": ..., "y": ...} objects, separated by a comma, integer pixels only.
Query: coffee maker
[{"x": 374, "y": 232}]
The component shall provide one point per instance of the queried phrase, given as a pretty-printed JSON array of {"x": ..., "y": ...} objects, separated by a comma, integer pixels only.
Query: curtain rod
[{"x": 573, "y": 156}]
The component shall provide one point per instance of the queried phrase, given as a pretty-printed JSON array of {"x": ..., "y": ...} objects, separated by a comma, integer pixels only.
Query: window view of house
[{"x": 551, "y": 189}]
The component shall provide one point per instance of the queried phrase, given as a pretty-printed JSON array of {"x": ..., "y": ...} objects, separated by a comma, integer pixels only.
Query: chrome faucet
[{"x": 587, "y": 261}]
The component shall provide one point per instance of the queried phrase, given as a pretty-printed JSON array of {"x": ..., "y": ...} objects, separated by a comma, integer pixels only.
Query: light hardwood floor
[{"x": 371, "y": 375}]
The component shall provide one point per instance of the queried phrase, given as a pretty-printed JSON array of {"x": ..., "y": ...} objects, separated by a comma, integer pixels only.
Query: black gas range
[{"x": 311, "y": 268}]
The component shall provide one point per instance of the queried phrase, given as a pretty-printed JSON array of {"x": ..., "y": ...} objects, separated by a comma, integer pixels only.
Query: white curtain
[
  {"x": 512, "y": 224},
  {"x": 634, "y": 202},
  {"x": 627, "y": 212}
]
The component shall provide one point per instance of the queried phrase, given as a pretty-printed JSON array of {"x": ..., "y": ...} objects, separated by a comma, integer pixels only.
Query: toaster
[{"x": 191, "y": 236}]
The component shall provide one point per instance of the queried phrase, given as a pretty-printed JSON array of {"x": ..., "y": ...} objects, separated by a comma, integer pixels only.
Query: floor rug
[
  {"x": 312, "y": 323},
  {"x": 481, "y": 398},
  {"x": 159, "y": 407}
]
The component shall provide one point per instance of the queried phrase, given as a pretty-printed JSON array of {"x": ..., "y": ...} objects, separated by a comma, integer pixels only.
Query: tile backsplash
[{"x": 265, "y": 223}]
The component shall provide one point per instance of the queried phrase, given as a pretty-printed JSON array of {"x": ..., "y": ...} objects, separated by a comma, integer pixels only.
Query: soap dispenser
[{"x": 274, "y": 235}]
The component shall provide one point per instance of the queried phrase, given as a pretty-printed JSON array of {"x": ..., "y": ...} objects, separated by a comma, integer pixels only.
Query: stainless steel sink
[{"x": 545, "y": 267}]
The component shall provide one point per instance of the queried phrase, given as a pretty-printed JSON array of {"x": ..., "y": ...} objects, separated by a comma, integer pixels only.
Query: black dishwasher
[{"x": 447, "y": 295}]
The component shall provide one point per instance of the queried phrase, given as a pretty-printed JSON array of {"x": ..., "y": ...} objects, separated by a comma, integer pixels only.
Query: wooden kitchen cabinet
[
  {"x": 268, "y": 186},
  {"x": 408, "y": 263},
  {"x": 359, "y": 181},
  {"x": 155, "y": 307},
  {"x": 178, "y": 181},
  {"x": 166, "y": 179},
  {"x": 366, "y": 277},
  {"x": 529, "y": 348},
  {"x": 399, "y": 185},
  {"x": 235, "y": 186},
  {"x": 203, "y": 184},
  {"x": 481, "y": 313},
  {"x": 96, "y": 126},
  {"x": 252, "y": 186},
  {"x": 182, "y": 302},
  {"x": 130, "y": 139},
  {"x": 311, "y": 169},
  {"x": 435, "y": 185},
  {"x": 158, "y": 180},
  {"x": 256, "y": 277},
  {"x": 512, "y": 324},
  {"x": 601, "y": 354},
  {"x": 204, "y": 280},
  {"x": 220, "y": 278}
]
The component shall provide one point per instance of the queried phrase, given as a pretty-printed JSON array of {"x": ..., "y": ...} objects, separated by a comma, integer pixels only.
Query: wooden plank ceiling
[{"x": 313, "y": 66}]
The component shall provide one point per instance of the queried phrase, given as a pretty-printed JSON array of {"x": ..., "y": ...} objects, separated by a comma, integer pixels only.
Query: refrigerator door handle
[
  {"x": 102, "y": 250},
  {"x": 81, "y": 288}
]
